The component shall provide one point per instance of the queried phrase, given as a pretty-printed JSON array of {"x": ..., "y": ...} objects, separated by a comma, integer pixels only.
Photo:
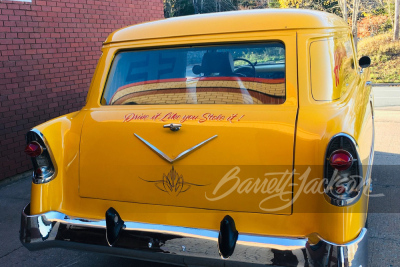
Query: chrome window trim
[
  {"x": 205, "y": 45},
  {"x": 47, "y": 179}
]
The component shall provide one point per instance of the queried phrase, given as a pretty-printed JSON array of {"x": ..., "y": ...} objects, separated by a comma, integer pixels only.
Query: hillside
[{"x": 385, "y": 57}]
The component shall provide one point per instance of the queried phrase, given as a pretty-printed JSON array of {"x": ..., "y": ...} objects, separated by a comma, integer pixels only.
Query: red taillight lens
[
  {"x": 340, "y": 189},
  {"x": 33, "y": 149},
  {"x": 341, "y": 160}
]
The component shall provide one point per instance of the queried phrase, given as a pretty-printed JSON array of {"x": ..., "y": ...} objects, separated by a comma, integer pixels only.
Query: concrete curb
[
  {"x": 385, "y": 84},
  {"x": 15, "y": 178}
]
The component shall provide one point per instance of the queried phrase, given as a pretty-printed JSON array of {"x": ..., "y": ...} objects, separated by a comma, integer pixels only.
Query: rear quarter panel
[
  {"x": 318, "y": 122},
  {"x": 62, "y": 135}
]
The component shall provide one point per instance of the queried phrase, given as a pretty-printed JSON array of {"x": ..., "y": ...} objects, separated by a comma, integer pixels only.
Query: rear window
[{"x": 223, "y": 74}]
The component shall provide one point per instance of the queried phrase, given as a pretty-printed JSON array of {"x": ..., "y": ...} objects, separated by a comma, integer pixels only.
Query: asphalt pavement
[
  {"x": 13, "y": 197},
  {"x": 383, "y": 218},
  {"x": 386, "y": 96}
]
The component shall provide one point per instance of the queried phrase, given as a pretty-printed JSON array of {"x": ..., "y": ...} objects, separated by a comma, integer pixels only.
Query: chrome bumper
[{"x": 185, "y": 246}]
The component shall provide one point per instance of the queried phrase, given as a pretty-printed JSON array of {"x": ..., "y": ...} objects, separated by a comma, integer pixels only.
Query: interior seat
[{"x": 216, "y": 64}]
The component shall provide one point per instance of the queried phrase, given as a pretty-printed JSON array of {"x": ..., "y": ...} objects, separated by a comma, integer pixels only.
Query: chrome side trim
[
  {"x": 186, "y": 152},
  {"x": 180, "y": 156},
  {"x": 53, "y": 161},
  {"x": 159, "y": 152},
  {"x": 368, "y": 178},
  {"x": 186, "y": 246}
]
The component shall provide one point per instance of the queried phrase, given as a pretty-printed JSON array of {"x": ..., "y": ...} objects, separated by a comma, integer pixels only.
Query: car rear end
[{"x": 189, "y": 150}]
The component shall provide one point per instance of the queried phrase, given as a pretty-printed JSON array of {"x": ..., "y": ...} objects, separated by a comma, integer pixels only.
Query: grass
[{"x": 385, "y": 57}]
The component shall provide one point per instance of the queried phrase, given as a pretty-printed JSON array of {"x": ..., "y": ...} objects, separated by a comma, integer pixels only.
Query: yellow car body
[{"x": 103, "y": 158}]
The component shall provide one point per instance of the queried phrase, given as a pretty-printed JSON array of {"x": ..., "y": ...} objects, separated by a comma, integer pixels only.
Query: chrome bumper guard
[{"x": 185, "y": 246}]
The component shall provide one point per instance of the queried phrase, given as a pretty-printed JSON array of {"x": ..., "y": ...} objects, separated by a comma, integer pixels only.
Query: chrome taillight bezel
[
  {"x": 48, "y": 171},
  {"x": 354, "y": 173}
]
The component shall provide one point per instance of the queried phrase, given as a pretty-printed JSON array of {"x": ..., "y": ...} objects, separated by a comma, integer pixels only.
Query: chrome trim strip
[
  {"x": 184, "y": 245},
  {"x": 186, "y": 152},
  {"x": 180, "y": 156},
  {"x": 368, "y": 178},
  {"x": 159, "y": 152},
  {"x": 53, "y": 161}
]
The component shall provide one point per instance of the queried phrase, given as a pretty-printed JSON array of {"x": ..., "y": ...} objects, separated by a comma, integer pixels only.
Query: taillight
[
  {"x": 341, "y": 160},
  {"x": 33, "y": 149},
  {"x": 343, "y": 171},
  {"x": 43, "y": 164}
]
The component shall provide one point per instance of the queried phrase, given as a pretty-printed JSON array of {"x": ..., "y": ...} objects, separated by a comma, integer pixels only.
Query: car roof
[{"x": 229, "y": 22}]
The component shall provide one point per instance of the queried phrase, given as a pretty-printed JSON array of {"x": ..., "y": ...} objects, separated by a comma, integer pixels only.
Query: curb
[
  {"x": 15, "y": 178},
  {"x": 385, "y": 84}
]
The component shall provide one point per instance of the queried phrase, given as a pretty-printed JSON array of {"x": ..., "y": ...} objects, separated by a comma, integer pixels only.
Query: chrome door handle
[{"x": 173, "y": 126}]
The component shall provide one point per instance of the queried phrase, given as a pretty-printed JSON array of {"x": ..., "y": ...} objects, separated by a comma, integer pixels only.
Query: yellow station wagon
[{"x": 222, "y": 139}]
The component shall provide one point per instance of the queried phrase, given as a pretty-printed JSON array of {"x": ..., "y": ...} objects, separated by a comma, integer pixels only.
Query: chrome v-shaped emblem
[{"x": 181, "y": 155}]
